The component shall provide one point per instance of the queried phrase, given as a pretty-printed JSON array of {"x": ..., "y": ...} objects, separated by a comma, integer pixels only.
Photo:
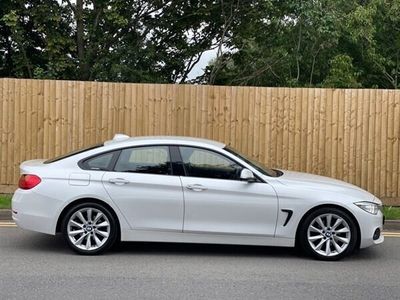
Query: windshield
[{"x": 255, "y": 164}]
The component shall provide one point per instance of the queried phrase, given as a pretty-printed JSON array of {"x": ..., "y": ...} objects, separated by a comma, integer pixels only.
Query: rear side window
[
  {"x": 149, "y": 160},
  {"x": 100, "y": 162},
  {"x": 209, "y": 164}
]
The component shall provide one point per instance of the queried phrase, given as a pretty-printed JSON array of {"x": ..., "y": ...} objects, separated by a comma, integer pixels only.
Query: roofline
[{"x": 168, "y": 139}]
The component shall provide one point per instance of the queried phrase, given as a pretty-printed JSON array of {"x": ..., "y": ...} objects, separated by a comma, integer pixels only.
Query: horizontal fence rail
[{"x": 350, "y": 134}]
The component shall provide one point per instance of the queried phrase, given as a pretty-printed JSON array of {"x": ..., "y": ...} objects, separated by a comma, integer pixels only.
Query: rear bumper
[{"x": 32, "y": 212}]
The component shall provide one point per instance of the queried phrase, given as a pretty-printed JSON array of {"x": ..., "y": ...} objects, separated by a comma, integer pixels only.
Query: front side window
[
  {"x": 149, "y": 160},
  {"x": 255, "y": 164},
  {"x": 209, "y": 164}
]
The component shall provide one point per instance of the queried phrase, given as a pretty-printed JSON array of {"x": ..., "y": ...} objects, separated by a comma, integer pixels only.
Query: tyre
[
  {"x": 328, "y": 234},
  {"x": 89, "y": 228}
]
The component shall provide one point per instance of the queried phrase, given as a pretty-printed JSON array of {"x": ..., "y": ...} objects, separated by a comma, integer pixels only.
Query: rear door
[
  {"x": 143, "y": 187},
  {"x": 217, "y": 201}
]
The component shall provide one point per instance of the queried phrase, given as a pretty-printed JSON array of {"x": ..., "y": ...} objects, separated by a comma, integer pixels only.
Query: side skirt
[{"x": 204, "y": 238}]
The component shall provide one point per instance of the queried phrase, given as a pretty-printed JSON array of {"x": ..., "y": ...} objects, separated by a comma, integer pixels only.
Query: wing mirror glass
[{"x": 247, "y": 175}]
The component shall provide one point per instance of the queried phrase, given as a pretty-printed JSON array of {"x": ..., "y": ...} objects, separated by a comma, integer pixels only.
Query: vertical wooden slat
[
  {"x": 358, "y": 139},
  {"x": 57, "y": 104},
  {"x": 303, "y": 132},
  {"x": 371, "y": 139},
  {"x": 256, "y": 124},
  {"x": 279, "y": 123},
  {"x": 335, "y": 133},
  {"x": 347, "y": 135},
  {"x": 274, "y": 128},
  {"x": 384, "y": 143},
  {"x": 377, "y": 145},
  {"x": 285, "y": 115},
  {"x": 341, "y": 135},
  {"x": 310, "y": 129},
  {"x": 34, "y": 121},
  {"x": 263, "y": 126},
  {"x": 364, "y": 101},
  {"x": 390, "y": 143},
  {"x": 23, "y": 120},
  {"x": 250, "y": 119},
  {"x": 12, "y": 170},
  {"x": 396, "y": 149},
  {"x": 29, "y": 124},
  {"x": 322, "y": 132},
  {"x": 291, "y": 141},
  {"x": 3, "y": 130},
  {"x": 328, "y": 137},
  {"x": 17, "y": 124},
  {"x": 352, "y": 136}
]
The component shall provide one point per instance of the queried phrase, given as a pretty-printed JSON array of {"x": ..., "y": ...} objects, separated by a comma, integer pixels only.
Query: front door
[{"x": 217, "y": 201}]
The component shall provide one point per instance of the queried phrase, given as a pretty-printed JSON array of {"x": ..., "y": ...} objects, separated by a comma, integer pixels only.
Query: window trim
[
  {"x": 172, "y": 148},
  {"x": 220, "y": 153}
]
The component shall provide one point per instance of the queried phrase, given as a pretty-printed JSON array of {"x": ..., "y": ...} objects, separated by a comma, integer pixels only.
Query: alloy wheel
[
  {"x": 88, "y": 229},
  {"x": 329, "y": 234}
]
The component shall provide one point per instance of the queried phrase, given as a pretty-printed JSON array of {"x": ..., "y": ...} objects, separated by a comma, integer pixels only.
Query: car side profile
[{"x": 190, "y": 190}]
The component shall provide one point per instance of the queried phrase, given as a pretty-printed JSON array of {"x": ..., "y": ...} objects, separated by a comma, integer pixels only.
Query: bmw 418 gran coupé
[{"x": 179, "y": 189}]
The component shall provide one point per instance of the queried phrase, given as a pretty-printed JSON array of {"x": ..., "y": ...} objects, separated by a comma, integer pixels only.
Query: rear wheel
[
  {"x": 328, "y": 234},
  {"x": 89, "y": 228}
]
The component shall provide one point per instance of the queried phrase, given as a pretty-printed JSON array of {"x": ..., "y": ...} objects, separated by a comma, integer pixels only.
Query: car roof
[{"x": 123, "y": 140}]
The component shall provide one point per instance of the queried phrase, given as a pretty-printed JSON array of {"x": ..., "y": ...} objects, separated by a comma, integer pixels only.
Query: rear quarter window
[{"x": 72, "y": 153}]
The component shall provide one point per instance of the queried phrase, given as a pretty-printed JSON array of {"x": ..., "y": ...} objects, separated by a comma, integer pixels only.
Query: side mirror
[{"x": 247, "y": 175}]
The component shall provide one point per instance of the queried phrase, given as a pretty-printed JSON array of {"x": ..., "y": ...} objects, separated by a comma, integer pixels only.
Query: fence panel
[{"x": 350, "y": 134}]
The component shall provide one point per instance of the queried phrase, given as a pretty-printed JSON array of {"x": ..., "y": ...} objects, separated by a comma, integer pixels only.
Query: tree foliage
[{"x": 341, "y": 43}]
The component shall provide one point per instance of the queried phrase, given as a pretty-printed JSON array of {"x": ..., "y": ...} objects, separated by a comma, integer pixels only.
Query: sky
[{"x": 198, "y": 69}]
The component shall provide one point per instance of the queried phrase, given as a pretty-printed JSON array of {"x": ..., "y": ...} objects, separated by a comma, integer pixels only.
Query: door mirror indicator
[{"x": 247, "y": 175}]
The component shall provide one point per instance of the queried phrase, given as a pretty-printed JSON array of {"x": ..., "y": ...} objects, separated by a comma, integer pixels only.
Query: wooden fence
[{"x": 350, "y": 134}]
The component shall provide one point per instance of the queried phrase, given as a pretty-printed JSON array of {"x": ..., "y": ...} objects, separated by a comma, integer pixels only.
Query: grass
[
  {"x": 5, "y": 201},
  {"x": 390, "y": 212}
]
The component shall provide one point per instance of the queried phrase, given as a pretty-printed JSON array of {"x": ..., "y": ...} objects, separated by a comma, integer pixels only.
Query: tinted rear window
[{"x": 72, "y": 153}]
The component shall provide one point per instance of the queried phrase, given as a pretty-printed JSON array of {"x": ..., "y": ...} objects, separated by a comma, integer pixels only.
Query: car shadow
[
  {"x": 36, "y": 242},
  {"x": 40, "y": 243},
  {"x": 153, "y": 248}
]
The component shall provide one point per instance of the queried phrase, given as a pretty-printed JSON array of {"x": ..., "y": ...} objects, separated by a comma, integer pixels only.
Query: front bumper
[{"x": 368, "y": 225}]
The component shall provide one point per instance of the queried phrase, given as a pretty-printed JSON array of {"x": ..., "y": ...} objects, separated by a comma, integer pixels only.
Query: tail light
[{"x": 28, "y": 181}]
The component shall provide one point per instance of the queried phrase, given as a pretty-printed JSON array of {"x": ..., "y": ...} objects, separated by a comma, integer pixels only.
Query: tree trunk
[{"x": 80, "y": 41}]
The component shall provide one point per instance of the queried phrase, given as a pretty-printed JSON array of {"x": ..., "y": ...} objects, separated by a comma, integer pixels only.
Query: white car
[{"x": 180, "y": 189}]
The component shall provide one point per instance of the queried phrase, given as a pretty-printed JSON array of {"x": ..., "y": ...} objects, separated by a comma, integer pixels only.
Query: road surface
[{"x": 36, "y": 266}]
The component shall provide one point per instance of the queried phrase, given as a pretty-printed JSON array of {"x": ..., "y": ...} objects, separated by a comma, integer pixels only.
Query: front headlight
[{"x": 369, "y": 207}]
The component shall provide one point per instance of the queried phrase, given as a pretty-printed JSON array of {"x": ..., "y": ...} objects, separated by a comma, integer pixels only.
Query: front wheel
[
  {"x": 89, "y": 228},
  {"x": 328, "y": 234}
]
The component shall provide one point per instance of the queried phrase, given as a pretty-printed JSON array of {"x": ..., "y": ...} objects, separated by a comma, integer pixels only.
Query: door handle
[
  {"x": 196, "y": 187},
  {"x": 118, "y": 181}
]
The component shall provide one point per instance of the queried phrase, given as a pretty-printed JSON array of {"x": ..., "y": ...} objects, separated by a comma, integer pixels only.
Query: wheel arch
[
  {"x": 351, "y": 215},
  {"x": 86, "y": 200}
]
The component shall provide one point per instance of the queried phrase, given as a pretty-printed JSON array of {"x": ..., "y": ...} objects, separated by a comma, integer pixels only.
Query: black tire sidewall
[
  {"x": 303, "y": 241},
  {"x": 113, "y": 228}
]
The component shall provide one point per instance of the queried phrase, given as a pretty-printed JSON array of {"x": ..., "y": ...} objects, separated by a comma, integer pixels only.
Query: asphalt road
[{"x": 36, "y": 266}]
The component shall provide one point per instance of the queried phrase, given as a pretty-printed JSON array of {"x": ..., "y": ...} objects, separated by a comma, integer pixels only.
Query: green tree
[
  {"x": 117, "y": 40},
  {"x": 342, "y": 73}
]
